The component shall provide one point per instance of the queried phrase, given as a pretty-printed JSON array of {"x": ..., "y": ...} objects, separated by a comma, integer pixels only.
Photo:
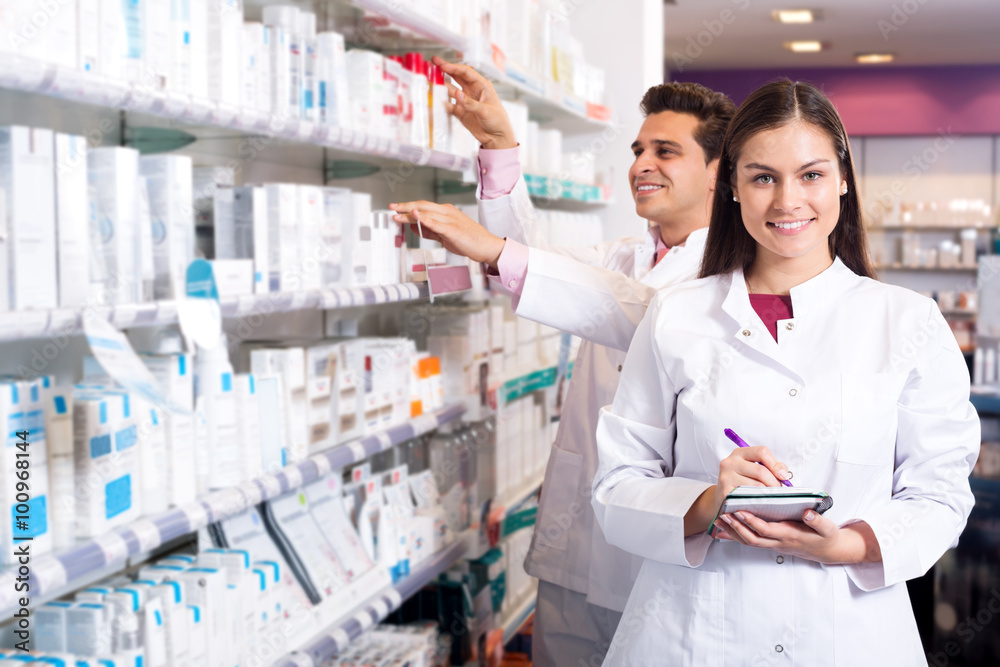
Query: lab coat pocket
[
  {"x": 560, "y": 503},
  {"x": 673, "y": 617},
  {"x": 868, "y": 434}
]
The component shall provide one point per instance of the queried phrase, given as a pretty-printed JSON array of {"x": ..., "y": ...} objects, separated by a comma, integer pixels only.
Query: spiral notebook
[{"x": 774, "y": 503}]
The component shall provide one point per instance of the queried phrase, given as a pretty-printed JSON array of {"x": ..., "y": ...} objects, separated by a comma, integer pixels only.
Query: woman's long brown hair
[{"x": 729, "y": 245}]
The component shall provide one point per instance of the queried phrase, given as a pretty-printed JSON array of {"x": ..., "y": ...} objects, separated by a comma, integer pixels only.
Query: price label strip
[
  {"x": 322, "y": 464},
  {"x": 196, "y": 514},
  {"x": 114, "y": 547},
  {"x": 147, "y": 533}
]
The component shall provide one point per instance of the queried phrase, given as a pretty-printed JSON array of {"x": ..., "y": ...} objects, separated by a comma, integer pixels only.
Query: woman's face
[{"x": 789, "y": 186}]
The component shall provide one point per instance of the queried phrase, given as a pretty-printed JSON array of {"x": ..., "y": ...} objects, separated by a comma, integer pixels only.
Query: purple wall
[{"x": 888, "y": 100}]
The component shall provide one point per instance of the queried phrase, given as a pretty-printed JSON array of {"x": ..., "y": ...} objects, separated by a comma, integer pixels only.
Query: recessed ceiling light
[
  {"x": 811, "y": 46},
  {"x": 795, "y": 15},
  {"x": 874, "y": 58}
]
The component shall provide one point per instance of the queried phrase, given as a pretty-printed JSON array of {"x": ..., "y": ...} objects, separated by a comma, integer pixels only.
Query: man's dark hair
[{"x": 713, "y": 110}]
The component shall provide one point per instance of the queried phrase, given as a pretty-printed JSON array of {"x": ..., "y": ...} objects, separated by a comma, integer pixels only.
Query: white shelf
[
  {"x": 34, "y": 76},
  {"x": 545, "y": 99},
  {"x": 21, "y": 324},
  {"x": 56, "y": 574},
  {"x": 337, "y": 636}
]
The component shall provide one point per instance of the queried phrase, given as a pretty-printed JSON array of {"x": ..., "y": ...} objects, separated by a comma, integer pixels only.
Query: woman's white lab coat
[{"x": 865, "y": 395}]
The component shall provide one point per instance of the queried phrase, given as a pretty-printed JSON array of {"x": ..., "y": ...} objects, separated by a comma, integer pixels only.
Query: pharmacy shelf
[
  {"x": 986, "y": 403},
  {"x": 931, "y": 269},
  {"x": 34, "y": 76},
  {"x": 546, "y": 99},
  {"x": 513, "y": 621},
  {"x": 523, "y": 495},
  {"x": 57, "y": 574},
  {"x": 547, "y": 188},
  {"x": 340, "y": 634},
  {"x": 22, "y": 324}
]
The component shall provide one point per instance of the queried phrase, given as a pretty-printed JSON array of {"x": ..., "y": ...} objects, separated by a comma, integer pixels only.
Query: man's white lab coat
[{"x": 599, "y": 293}]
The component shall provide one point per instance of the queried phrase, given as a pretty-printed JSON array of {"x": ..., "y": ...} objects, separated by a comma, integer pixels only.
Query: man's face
[{"x": 669, "y": 177}]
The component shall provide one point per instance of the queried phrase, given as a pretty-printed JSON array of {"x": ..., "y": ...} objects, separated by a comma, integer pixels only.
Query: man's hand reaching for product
[
  {"x": 457, "y": 232},
  {"x": 477, "y": 106}
]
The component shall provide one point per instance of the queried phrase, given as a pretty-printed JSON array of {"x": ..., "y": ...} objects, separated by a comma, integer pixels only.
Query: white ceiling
[{"x": 935, "y": 32}]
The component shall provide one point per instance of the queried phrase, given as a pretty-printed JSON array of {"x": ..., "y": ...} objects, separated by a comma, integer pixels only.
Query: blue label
[
  {"x": 104, "y": 412},
  {"x": 187, "y": 37},
  {"x": 156, "y": 615},
  {"x": 322, "y": 94},
  {"x": 100, "y": 446},
  {"x": 197, "y": 613},
  {"x": 34, "y": 393},
  {"x": 252, "y": 389},
  {"x": 153, "y": 417},
  {"x": 127, "y": 437},
  {"x": 227, "y": 382},
  {"x": 128, "y": 410},
  {"x": 37, "y": 522},
  {"x": 118, "y": 496},
  {"x": 200, "y": 280},
  {"x": 284, "y": 456},
  {"x": 15, "y": 398},
  {"x": 182, "y": 365},
  {"x": 45, "y": 380},
  {"x": 60, "y": 403}
]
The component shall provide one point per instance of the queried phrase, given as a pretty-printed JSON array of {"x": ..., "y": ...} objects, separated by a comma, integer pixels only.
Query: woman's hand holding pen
[
  {"x": 816, "y": 538},
  {"x": 477, "y": 106},
  {"x": 457, "y": 232}
]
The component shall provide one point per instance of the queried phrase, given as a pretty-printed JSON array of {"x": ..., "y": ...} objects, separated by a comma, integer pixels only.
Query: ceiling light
[
  {"x": 874, "y": 58},
  {"x": 795, "y": 15},
  {"x": 811, "y": 46}
]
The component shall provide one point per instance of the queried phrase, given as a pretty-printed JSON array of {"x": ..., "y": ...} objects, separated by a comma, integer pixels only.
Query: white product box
[
  {"x": 350, "y": 390},
  {"x": 169, "y": 180},
  {"x": 272, "y": 421},
  {"x": 250, "y": 238},
  {"x": 144, "y": 242},
  {"x": 175, "y": 375},
  {"x": 243, "y": 585},
  {"x": 334, "y": 100},
  {"x": 88, "y": 629},
  {"x": 175, "y": 620},
  {"x": 365, "y": 80},
  {"x": 179, "y": 80},
  {"x": 248, "y": 424},
  {"x": 206, "y": 588},
  {"x": 233, "y": 277},
  {"x": 321, "y": 378},
  {"x": 289, "y": 363},
  {"x": 27, "y": 178},
  {"x": 133, "y": 53},
  {"x": 310, "y": 66},
  {"x": 112, "y": 174},
  {"x": 286, "y": 60},
  {"x": 96, "y": 466},
  {"x": 357, "y": 247},
  {"x": 153, "y": 458},
  {"x": 256, "y": 75},
  {"x": 88, "y": 35},
  {"x": 198, "y": 34},
  {"x": 337, "y": 222},
  {"x": 111, "y": 47},
  {"x": 59, "y": 435},
  {"x": 157, "y": 31},
  {"x": 225, "y": 31},
  {"x": 72, "y": 221},
  {"x": 283, "y": 236},
  {"x": 50, "y": 627},
  {"x": 311, "y": 211}
]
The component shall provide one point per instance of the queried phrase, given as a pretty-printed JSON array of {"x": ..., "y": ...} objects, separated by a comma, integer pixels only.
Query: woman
[{"x": 857, "y": 387}]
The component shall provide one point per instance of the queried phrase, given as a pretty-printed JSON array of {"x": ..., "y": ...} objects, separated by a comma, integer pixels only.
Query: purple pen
[{"x": 740, "y": 442}]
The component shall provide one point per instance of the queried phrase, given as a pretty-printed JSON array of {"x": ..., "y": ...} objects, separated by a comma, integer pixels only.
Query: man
[{"x": 599, "y": 293}]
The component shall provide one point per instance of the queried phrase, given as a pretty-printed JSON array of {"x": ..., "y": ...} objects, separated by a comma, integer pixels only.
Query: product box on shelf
[
  {"x": 357, "y": 244},
  {"x": 334, "y": 100},
  {"x": 286, "y": 59},
  {"x": 289, "y": 363},
  {"x": 337, "y": 222},
  {"x": 224, "y": 35},
  {"x": 169, "y": 179},
  {"x": 283, "y": 236},
  {"x": 248, "y": 425},
  {"x": 310, "y": 222},
  {"x": 366, "y": 81},
  {"x": 112, "y": 175},
  {"x": 59, "y": 431},
  {"x": 256, "y": 67},
  {"x": 27, "y": 178},
  {"x": 72, "y": 220},
  {"x": 250, "y": 238},
  {"x": 175, "y": 374},
  {"x": 270, "y": 390}
]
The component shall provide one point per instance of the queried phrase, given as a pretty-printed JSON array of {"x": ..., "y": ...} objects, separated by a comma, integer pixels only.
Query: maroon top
[{"x": 770, "y": 308}]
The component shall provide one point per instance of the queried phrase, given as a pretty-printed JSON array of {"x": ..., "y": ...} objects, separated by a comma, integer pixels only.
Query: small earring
[
  {"x": 844, "y": 191},
  {"x": 736, "y": 199}
]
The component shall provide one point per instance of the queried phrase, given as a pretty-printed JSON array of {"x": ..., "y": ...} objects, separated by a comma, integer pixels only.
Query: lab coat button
[
  {"x": 483, "y": 171},
  {"x": 793, "y": 392},
  {"x": 512, "y": 282},
  {"x": 790, "y": 326},
  {"x": 746, "y": 332},
  {"x": 779, "y": 560},
  {"x": 619, "y": 368},
  {"x": 779, "y": 648}
]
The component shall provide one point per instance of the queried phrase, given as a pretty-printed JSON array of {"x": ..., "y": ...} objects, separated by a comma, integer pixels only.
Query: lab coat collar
[
  {"x": 646, "y": 251},
  {"x": 807, "y": 298}
]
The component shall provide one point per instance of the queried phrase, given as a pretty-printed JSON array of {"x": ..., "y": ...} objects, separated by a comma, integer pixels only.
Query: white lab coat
[
  {"x": 865, "y": 395},
  {"x": 599, "y": 293}
]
